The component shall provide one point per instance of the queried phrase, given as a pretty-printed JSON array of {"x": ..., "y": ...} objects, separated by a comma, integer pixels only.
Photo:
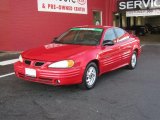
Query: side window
[
  {"x": 119, "y": 32},
  {"x": 110, "y": 35}
]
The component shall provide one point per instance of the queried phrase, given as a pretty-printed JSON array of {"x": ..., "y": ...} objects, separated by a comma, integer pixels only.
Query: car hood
[{"x": 55, "y": 52}]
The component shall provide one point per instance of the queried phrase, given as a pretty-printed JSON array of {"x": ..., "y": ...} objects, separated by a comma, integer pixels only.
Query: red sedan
[{"x": 79, "y": 56}]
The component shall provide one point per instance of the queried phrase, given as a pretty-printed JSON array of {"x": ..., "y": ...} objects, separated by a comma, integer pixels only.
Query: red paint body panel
[
  {"x": 108, "y": 58},
  {"x": 23, "y": 26},
  {"x": 49, "y": 52}
]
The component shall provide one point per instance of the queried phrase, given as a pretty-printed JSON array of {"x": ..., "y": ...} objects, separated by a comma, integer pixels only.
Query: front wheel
[
  {"x": 90, "y": 76},
  {"x": 133, "y": 61}
]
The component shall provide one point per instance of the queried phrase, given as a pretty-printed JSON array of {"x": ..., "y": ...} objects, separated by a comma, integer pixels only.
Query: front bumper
[{"x": 50, "y": 76}]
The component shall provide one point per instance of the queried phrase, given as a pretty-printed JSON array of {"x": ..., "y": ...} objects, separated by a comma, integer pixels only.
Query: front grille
[
  {"x": 35, "y": 63},
  {"x": 45, "y": 79},
  {"x": 38, "y": 64},
  {"x": 28, "y": 62},
  {"x": 38, "y": 79}
]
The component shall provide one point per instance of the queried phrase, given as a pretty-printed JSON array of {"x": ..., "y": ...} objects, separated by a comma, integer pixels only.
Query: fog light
[{"x": 57, "y": 81}]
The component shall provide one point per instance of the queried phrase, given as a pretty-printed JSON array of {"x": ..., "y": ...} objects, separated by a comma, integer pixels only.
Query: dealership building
[{"x": 29, "y": 23}]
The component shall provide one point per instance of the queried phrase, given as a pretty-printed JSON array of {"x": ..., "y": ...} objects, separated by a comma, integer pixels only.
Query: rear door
[
  {"x": 125, "y": 45},
  {"x": 110, "y": 55}
]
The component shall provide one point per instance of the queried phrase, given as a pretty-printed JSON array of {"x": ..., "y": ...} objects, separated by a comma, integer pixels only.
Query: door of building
[{"x": 97, "y": 17}]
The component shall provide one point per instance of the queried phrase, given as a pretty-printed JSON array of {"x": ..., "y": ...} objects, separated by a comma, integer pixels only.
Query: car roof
[{"x": 94, "y": 26}]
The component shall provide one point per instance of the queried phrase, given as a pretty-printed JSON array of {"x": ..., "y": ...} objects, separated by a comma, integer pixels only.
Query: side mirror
[{"x": 108, "y": 42}]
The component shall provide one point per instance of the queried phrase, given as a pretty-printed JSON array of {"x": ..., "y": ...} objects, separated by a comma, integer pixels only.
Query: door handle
[{"x": 128, "y": 47}]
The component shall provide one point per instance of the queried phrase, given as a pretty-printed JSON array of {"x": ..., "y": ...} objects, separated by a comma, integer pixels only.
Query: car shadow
[
  {"x": 109, "y": 76},
  {"x": 71, "y": 88}
]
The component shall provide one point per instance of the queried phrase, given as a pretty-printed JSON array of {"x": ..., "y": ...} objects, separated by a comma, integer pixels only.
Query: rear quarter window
[{"x": 119, "y": 32}]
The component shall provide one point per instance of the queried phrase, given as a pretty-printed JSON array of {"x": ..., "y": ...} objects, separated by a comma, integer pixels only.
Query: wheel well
[
  {"x": 136, "y": 51},
  {"x": 97, "y": 63}
]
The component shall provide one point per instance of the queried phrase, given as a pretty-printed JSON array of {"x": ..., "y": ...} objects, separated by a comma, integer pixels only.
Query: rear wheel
[
  {"x": 133, "y": 61},
  {"x": 90, "y": 76}
]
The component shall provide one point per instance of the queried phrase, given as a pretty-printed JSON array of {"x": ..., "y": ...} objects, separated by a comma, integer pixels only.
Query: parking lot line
[
  {"x": 142, "y": 45},
  {"x": 8, "y": 62},
  {"x": 9, "y": 74}
]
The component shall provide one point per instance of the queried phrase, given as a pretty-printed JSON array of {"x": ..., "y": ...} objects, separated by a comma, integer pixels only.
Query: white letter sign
[{"x": 63, "y": 6}]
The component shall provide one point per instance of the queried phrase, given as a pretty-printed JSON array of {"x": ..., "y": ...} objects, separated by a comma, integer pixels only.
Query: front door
[{"x": 110, "y": 55}]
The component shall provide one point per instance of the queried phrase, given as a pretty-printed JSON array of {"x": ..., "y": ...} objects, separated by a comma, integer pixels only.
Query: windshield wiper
[{"x": 56, "y": 41}]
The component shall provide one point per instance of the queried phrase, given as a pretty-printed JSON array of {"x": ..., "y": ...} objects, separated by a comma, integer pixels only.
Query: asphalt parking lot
[{"x": 119, "y": 95}]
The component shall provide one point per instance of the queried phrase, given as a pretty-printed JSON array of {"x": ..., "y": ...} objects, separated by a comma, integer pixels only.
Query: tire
[
  {"x": 90, "y": 76},
  {"x": 133, "y": 61}
]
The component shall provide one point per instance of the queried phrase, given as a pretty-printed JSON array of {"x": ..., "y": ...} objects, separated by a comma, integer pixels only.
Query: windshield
[{"x": 82, "y": 36}]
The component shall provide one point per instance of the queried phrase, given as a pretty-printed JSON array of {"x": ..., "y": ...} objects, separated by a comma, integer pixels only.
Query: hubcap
[
  {"x": 91, "y": 76},
  {"x": 134, "y": 60}
]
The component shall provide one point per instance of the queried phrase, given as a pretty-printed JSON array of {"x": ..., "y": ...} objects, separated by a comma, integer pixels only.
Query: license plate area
[{"x": 30, "y": 72}]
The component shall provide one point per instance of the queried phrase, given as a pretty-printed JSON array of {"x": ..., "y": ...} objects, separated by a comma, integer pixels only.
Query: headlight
[
  {"x": 62, "y": 64},
  {"x": 20, "y": 58}
]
